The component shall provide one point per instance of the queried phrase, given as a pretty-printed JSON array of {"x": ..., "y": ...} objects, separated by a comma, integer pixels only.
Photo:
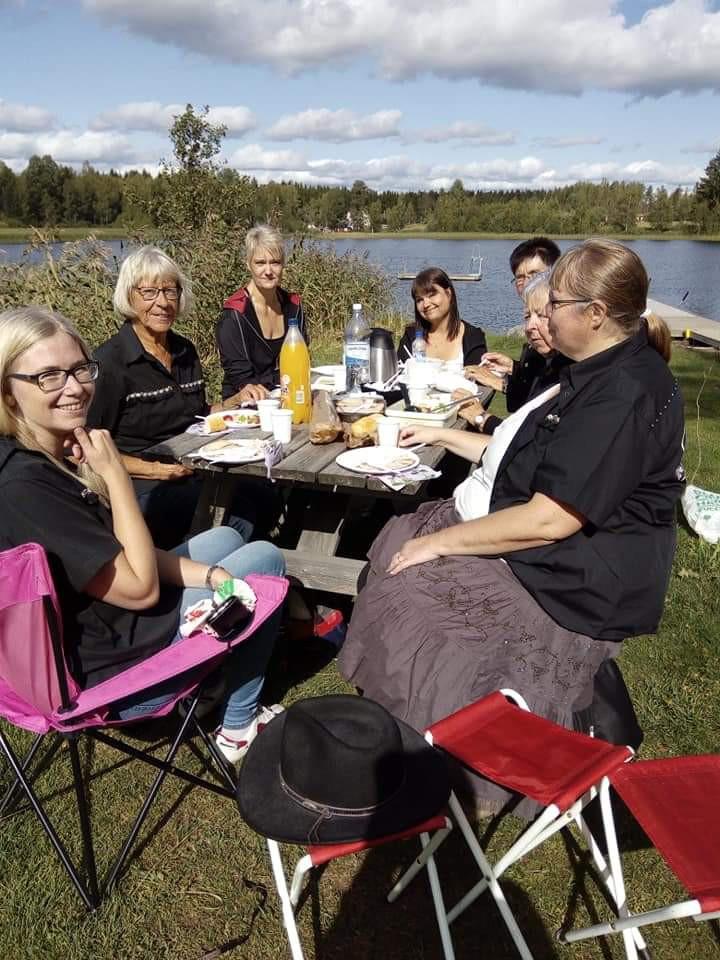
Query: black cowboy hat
[{"x": 338, "y": 769}]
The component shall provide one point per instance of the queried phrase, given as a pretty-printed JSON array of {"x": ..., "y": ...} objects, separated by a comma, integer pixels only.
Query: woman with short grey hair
[
  {"x": 255, "y": 319},
  {"x": 151, "y": 387}
]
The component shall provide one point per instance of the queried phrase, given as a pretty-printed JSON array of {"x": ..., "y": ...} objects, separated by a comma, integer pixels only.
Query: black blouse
[
  {"x": 138, "y": 399},
  {"x": 46, "y": 506},
  {"x": 610, "y": 447}
]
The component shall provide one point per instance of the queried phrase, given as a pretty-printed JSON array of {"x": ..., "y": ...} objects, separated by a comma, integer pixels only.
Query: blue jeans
[{"x": 244, "y": 668}]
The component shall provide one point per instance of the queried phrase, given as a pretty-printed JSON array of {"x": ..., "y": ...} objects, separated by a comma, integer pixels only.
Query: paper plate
[
  {"x": 449, "y": 382},
  {"x": 230, "y": 449},
  {"x": 373, "y": 461}
]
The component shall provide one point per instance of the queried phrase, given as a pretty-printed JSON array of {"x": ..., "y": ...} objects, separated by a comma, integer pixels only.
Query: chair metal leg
[
  {"x": 490, "y": 879},
  {"x": 88, "y": 851},
  {"x": 144, "y": 810},
  {"x": 419, "y": 862},
  {"x": 285, "y": 902},
  {"x": 24, "y": 766},
  {"x": 436, "y": 890},
  {"x": 89, "y": 898}
]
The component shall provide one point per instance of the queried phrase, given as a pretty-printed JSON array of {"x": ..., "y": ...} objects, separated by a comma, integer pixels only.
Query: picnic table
[{"x": 337, "y": 493}]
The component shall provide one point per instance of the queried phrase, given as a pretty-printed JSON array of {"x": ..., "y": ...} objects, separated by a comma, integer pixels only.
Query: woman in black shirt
[
  {"x": 446, "y": 336},
  {"x": 151, "y": 387},
  {"x": 67, "y": 489},
  {"x": 560, "y": 545},
  {"x": 255, "y": 319}
]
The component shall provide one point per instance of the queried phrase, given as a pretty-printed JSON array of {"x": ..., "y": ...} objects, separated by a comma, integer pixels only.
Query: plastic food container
[{"x": 445, "y": 418}]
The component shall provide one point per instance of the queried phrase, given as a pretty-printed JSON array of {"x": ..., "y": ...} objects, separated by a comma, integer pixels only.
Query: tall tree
[{"x": 707, "y": 188}]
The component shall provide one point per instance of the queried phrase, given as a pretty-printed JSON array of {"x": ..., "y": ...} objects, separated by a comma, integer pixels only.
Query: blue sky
[{"x": 403, "y": 94}]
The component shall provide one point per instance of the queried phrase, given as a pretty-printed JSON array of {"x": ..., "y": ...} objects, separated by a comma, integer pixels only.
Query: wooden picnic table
[{"x": 307, "y": 466}]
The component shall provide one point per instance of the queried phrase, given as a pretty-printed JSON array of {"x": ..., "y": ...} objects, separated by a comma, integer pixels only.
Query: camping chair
[
  {"x": 675, "y": 801},
  {"x": 559, "y": 769},
  {"x": 38, "y": 693},
  {"x": 316, "y": 856}
]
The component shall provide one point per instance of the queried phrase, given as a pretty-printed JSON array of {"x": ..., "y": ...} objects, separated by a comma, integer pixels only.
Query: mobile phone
[{"x": 230, "y": 618}]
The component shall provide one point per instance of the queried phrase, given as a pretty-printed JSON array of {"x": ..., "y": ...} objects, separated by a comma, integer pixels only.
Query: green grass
[
  {"x": 199, "y": 875},
  {"x": 25, "y": 234}
]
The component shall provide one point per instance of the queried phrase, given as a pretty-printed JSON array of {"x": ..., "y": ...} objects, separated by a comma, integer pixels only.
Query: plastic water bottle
[
  {"x": 356, "y": 352},
  {"x": 419, "y": 348},
  {"x": 295, "y": 374}
]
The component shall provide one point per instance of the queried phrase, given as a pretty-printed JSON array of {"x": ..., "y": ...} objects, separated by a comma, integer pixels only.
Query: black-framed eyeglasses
[
  {"x": 50, "y": 380},
  {"x": 553, "y": 304},
  {"x": 152, "y": 293}
]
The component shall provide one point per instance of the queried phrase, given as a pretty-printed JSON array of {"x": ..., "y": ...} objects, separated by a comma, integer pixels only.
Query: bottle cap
[{"x": 357, "y": 306}]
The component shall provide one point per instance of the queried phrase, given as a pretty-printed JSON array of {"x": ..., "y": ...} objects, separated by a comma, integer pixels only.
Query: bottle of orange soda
[{"x": 295, "y": 374}]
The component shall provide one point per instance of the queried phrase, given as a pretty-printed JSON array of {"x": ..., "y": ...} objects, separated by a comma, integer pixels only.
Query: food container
[
  {"x": 445, "y": 418},
  {"x": 359, "y": 413}
]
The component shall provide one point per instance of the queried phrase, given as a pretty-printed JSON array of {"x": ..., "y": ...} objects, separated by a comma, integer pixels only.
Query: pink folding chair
[
  {"x": 38, "y": 693},
  {"x": 675, "y": 801},
  {"x": 560, "y": 769}
]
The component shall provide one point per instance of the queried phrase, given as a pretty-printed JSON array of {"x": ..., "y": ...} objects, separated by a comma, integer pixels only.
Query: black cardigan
[
  {"x": 246, "y": 355},
  {"x": 474, "y": 344}
]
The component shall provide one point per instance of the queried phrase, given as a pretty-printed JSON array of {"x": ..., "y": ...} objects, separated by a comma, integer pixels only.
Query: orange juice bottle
[{"x": 295, "y": 374}]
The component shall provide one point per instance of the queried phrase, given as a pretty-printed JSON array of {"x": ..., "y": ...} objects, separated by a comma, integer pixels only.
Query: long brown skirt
[{"x": 442, "y": 634}]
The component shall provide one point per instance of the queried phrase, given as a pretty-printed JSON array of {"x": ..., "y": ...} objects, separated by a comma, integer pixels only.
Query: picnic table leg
[{"x": 216, "y": 495}]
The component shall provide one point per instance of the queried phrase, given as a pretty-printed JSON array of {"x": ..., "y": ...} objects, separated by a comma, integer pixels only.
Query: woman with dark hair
[
  {"x": 447, "y": 337},
  {"x": 560, "y": 544}
]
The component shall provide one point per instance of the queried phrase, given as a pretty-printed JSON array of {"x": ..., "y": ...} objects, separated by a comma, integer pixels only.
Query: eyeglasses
[
  {"x": 524, "y": 277},
  {"x": 50, "y": 380},
  {"x": 553, "y": 304},
  {"x": 152, "y": 293}
]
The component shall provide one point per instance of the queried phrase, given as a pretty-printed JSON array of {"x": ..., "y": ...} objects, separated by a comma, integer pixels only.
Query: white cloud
[
  {"x": 253, "y": 157},
  {"x": 559, "y": 143},
  {"x": 564, "y": 46},
  {"x": 706, "y": 147},
  {"x": 157, "y": 117},
  {"x": 643, "y": 171},
  {"x": 69, "y": 146},
  {"x": 21, "y": 117},
  {"x": 335, "y": 126},
  {"x": 477, "y": 133}
]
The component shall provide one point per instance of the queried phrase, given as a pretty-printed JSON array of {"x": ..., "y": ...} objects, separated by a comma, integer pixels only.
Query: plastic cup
[
  {"x": 388, "y": 432},
  {"x": 282, "y": 425},
  {"x": 265, "y": 409},
  {"x": 340, "y": 379},
  {"x": 417, "y": 395}
]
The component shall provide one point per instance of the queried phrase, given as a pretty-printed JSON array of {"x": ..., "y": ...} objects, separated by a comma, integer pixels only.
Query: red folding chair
[
  {"x": 560, "y": 769},
  {"x": 675, "y": 801},
  {"x": 432, "y": 832},
  {"x": 38, "y": 694}
]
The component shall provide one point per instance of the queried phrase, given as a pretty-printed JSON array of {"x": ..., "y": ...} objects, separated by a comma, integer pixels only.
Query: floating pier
[{"x": 687, "y": 326}]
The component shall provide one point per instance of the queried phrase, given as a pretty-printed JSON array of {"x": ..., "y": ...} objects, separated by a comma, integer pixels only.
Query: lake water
[{"x": 679, "y": 269}]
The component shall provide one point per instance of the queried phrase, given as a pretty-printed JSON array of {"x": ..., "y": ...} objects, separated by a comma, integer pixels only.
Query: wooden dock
[{"x": 687, "y": 326}]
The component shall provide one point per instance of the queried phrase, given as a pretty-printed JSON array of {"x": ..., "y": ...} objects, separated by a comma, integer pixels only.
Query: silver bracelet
[{"x": 208, "y": 575}]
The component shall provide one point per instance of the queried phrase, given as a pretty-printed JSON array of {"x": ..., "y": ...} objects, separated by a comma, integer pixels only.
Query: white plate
[
  {"x": 230, "y": 449},
  {"x": 449, "y": 382},
  {"x": 373, "y": 461}
]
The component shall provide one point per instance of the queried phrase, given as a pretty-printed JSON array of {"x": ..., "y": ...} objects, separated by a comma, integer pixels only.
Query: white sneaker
[{"x": 234, "y": 748}]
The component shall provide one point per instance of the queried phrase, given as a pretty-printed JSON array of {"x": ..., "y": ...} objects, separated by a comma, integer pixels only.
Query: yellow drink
[{"x": 295, "y": 375}]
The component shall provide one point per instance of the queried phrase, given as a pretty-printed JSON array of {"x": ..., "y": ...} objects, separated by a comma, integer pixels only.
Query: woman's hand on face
[
  {"x": 412, "y": 435},
  {"x": 97, "y": 449},
  {"x": 411, "y": 554}
]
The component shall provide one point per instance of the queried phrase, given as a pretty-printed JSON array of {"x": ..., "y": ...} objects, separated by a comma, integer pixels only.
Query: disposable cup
[
  {"x": 282, "y": 425},
  {"x": 388, "y": 432},
  {"x": 265, "y": 409},
  {"x": 340, "y": 379},
  {"x": 417, "y": 395}
]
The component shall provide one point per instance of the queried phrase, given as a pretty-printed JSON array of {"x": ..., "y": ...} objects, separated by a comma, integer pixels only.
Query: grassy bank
[
  {"x": 62, "y": 234},
  {"x": 196, "y": 883}
]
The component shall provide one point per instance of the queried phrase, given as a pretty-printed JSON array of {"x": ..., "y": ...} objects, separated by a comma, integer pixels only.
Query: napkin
[{"x": 420, "y": 473}]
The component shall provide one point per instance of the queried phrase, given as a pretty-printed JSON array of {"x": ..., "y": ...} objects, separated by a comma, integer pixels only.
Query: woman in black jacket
[
  {"x": 255, "y": 319},
  {"x": 447, "y": 337}
]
